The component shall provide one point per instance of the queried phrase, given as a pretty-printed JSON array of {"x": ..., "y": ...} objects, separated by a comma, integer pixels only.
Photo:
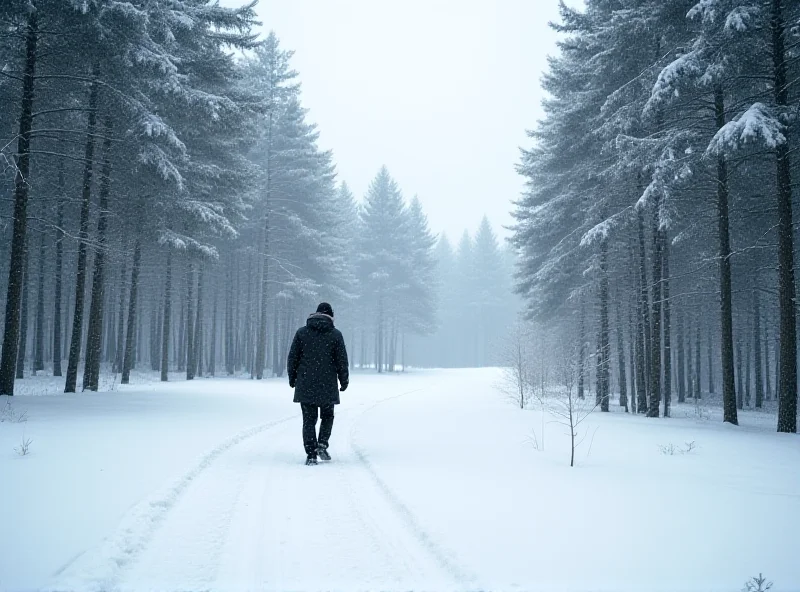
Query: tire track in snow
[
  {"x": 445, "y": 559},
  {"x": 99, "y": 569}
]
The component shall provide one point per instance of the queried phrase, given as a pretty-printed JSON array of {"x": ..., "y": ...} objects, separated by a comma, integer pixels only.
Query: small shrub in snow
[
  {"x": 667, "y": 449},
  {"x": 533, "y": 440},
  {"x": 671, "y": 450},
  {"x": 757, "y": 584},
  {"x": 11, "y": 415},
  {"x": 24, "y": 447},
  {"x": 567, "y": 408}
]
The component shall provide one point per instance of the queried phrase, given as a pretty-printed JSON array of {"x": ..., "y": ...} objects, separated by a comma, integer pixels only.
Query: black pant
[{"x": 310, "y": 414}]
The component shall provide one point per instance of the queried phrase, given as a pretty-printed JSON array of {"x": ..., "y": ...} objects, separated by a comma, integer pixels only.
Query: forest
[
  {"x": 656, "y": 231},
  {"x": 167, "y": 207}
]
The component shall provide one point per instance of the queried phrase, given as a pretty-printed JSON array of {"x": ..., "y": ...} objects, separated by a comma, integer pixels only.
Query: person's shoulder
[{"x": 337, "y": 333}]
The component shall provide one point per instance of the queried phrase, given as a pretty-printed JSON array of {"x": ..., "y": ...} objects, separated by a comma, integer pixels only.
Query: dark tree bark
[
  {"x": 747, "y": 370},
  {"x": 80, "y": 275},
  {"x": 68, "y": 319},
  {"x": 229, "y": 354},
  {"x": 22, "y": 348},
  {"x": 582, "y": 352},
  {"x": 644, "y": 305},
  {"x": 157, "y": 337},
  {"x": 710, "y": 348},
  {"x": 251, "y": 319},
  {"x": 277, "y": 329},
  {"x": 181, "y": 342},
  {"x": 767, "y": 367},
  {"x": 604, "y": 379},
  {"x": 726, "y": 306},
  {"x": 59, "y": 272},
  {"x": 787, "y": 405},
  {"x": 691, "y": 390},
  {"x": 38, "y": 353},
  {"x": 237, "y": 321},
  {"x": 698, "y": 366},
  {"x": 190, "y": 321},
  {"x": 632, "y": 338},
  {"x": 130, "y": 345},
  {"x": 212, "y": 354},
  {"x": 165, "y": 324},
  {"x": 623, "y": 378},
  {"x": 681, "y": 359},
  {"x": 656, "y": 336},
  {"x": 261, "y": 345},
  {"x": 198, "y": 327},
  {"x": 11, "y": 333},
  {"x": 119, "y": 354},
  {"x": 739, "y": 390},
  {"x": 94, "y": 340},
  {"x": 667, "y": 327}
]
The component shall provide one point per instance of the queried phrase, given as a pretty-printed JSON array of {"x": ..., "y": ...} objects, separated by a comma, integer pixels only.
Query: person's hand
[
  {"x": 344, "y": 387},
  {"x": 291, "y": 384}
]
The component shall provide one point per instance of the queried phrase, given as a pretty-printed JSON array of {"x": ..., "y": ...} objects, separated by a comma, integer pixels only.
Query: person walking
[{"x": 318, "y": 358}]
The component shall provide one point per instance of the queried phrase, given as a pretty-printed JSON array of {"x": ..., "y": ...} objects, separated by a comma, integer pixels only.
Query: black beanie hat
[{"x": 325, "y": 308}]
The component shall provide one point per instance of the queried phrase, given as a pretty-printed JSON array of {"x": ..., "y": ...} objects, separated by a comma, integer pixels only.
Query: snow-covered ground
[{"x": 434, "y": 486}]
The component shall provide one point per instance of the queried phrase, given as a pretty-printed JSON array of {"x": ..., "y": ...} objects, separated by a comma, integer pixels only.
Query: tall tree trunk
[
  {"x": 767, "y": 368},
  {"x": 8, "y": 361},
  {"x": 197, "y": 358},
  {"x": 623, "y": 378},
  {"x": 582, "y": 352},
  {"x": 710, "y": 348},
  {"x": 250, "y": 337},
  {"x": 277, "y": 329},
  {"x": 726, "y": 306},
  {"x": 120, "y": 353},
  {"x": 667, "y": 327},
  {"x": 237, "y": 321},
  {"x": 681, "y": 359},
  {"x": 747, "y": 369},
  {"x": 379, "y": 333},
  {"x": 68, "y": 319},
  {"x": 91, "y": 374},
  {"x": 128, "y": 358},
  {"x": 690, "y": 376},
  {"x": 190, "y": 321},
  {"x": 80, "y": 275},
  {"x": 38, "y": 353},
  {"x": 229, "y": 363},
  {"x": 182, "y": 336},
  {"x": 698, "y": 366},
  {"x": 159, "y": 333},
  {"x": 59, "y": 272},
  {"x": 261, "y": 347},
  {"x": 632, "y": 338},
  {"x": 655, "y": 353},
  {"x": 22, "y": 348},
  {"x": 644, "y": 305},
  {"x": 604, "y": 379},
  {"x": 740, "y": 389},
  {"x": 165, "y": 324},
  {"x": 212, "y": 354},
  {"x": 787, "y": 405}
]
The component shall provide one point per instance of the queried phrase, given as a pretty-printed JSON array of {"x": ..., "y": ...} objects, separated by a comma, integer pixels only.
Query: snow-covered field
[{"x": 434, "y": 486}]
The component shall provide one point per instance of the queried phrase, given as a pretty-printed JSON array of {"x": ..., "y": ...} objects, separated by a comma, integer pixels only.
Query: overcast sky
[{"x": 440, "y": 91}]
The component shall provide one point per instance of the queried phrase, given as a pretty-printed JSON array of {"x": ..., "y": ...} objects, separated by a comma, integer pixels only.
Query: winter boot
[
  {"x": 311, "y": 460},
  {"x": 322, "y": 451}
]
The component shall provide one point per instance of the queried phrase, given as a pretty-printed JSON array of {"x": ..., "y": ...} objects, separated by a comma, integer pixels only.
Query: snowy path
[
  {"x": 434, "y": 486},
  {"x": 255, "y": 518}
]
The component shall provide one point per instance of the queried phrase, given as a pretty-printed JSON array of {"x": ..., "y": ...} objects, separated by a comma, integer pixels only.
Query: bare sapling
[{"x": 566, "y": 407}]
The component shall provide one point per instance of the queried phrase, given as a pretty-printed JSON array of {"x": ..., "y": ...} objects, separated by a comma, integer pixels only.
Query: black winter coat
[{"x": 317, "y": 359}]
